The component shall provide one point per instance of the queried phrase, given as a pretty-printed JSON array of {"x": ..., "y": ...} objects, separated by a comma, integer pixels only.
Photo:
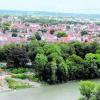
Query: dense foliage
[
  {"x": 17, "y": 57},
  {"x": 89, "y": 91},
  {"x": 61, "y": 34},
  {"x": 56, "y": 62}
]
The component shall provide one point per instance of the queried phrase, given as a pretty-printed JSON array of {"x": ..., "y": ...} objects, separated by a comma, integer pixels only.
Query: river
[{"x": 67, "y": 91}]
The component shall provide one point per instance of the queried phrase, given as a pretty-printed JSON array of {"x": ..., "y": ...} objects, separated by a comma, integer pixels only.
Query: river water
[{"x": 67, "y": 91}]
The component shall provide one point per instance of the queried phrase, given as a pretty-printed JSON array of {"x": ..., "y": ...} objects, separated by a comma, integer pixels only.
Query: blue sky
[{"x": 68, "y": 6}]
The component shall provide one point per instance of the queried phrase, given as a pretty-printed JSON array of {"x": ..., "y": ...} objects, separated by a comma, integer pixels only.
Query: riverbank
[
  {"x": 7, "y": 83},
  {"x": 4, "y": 86},
  {"x": 66, "y": 91}
]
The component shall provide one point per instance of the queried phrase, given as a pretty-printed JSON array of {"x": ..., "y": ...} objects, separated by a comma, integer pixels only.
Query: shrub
[
  {"x": 61, "y": 34},
  {"x": 14, "y": 35},
  {"x": 19, "y": 70},
  {"x": 20, "y": 76},
  {"x": 87, "y": 89},
  {"x": 97, "y": 92}
]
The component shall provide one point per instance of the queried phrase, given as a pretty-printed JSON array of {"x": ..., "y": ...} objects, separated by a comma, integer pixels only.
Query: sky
[{"x": 66, "y": 6}]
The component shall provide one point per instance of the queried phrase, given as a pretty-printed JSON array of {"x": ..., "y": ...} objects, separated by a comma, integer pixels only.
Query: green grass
[
  {"x": 19, "y": 70},
  {"x": 25, "y": 76},
  {"x": 16, "y": 84}
]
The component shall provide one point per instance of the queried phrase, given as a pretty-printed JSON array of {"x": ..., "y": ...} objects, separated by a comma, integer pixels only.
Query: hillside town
[
  {"x": 36, "y": 52},
  {"x": 14, "y": 30},
  {"x": 50, "y": 50}
]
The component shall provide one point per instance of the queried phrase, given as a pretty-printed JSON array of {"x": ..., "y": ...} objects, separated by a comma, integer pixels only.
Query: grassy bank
[
  {"x": 16, "y": 84},
  {"x": 30, "y": 77}
]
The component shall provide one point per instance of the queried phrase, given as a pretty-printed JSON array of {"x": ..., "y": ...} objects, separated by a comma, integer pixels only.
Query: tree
[
  {"x": 52, "y": 48},
  {"x": 87, "y": 89},
  {"x": 17, "y": 57},
  {"x": 5, "y": 26},
  {"x": 4, "y": 51},
  {"x": 62, "y": 72},
  {"x": 61, "y": 34},
  {"x": 52, "y": 31},
  {"x": 83, "y": 48},
  {"x": 92, "y": 65},
  {"x": 66, "y": 50},
  {"x": 75, "y": 65},
  {"x": 97, "y": 92},
  {"x": 38, "y": 35},
  {"x": 53, "y": 56},
  {"x": 41, "y": 61},
  {"x": 14, "y": 35},
  {"x": 98, "y": 51},
  {"x": 84, "y": 32},
  {"x": 49, "y": 73},
  {"x": 14, "y": 30}
]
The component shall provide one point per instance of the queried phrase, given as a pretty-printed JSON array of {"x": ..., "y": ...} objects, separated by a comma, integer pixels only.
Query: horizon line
[{"x": 50, "y": 11}]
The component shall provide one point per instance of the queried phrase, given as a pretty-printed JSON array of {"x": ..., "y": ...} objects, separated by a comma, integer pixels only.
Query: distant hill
[{"x": 45, "y": 13}]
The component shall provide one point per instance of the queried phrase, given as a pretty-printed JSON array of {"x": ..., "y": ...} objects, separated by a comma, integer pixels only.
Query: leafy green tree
[
  {"x": 97, "y": 93},
  {"x": 5, "y": 26},
  {"x": 4, "y": 51},
  {"x": 17, "y": 57},
  {"x": 53, "y": 56},
  {"x": 41, "y": 61},
  {"x": 38, "y": 35},
  {"x": 61, "y": 34},
  {"x": 84, "y": 32},
  {"x": 52, "y": 48},
  {"x": 87, "y": 89},
  {"x": 91, "y": 67},
  {"x": 14, "y": 35},
  {"x": 14, "y": 30},
  {"x": 98, "y": 51},
  {"x": 75, "y": 67},
  {"x": 83, "y": 48},
  {"x": 49, "y": 73},
  {"x": 62, "y": 72},
  {"x": 31, "y": 49}
]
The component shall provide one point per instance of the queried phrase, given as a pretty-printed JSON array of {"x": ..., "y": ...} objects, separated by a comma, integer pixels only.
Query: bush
[
  {"x": 89, "y": 91},
  {"x": 20, "y": 76},
  {"x": 19, "y": 70},
  {"x": 98, "y": 51},
  {"x": 61, "y": 34},
  {"x": 14, "y": 35},
  {"x": 87, "y": 88},
  {"x": 97, "y": 92}
]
